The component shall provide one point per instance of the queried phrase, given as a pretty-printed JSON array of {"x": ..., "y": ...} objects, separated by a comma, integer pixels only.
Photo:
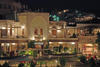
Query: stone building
[{"x": 36, "y": 26}]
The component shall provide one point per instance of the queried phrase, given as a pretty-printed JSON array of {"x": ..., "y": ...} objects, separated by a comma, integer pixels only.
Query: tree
[
  {"x": 21, "y": 65},
  {"x": 60, "y": 47},
  {"x": 83, "y": 59},
  {"x": 74, "y": 36},
  {"x": 31, "y": 44},
  {"x": 35, "y": 53},
  {"x": 46, "y": 51},
  {"x": 75, "y": 50},
  {"x": 92, "y": 62},
  {"x": 63, "y": 61},
  {"x": 5, "y": 65},
  {"x": 32, "y": 64},
  {"x": 98, "y": 42},
  {"x": 22, "y": 53},
  {"x": 65, "y": 49},
  {"x": 0, "y": 52}
]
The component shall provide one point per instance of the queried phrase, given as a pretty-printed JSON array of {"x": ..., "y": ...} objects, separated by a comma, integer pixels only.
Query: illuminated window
[
  {"x": 36, "y": 32},
  {"x": 41, "y": 31},
  {"x": 54, "y": 32}
]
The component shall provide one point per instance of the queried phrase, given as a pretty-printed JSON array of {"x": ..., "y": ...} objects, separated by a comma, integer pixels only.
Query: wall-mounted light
[
  {"x": 43, "y": 38},
  {"x": 22, "y": 27},
  {"x": 33, "y": 38},
  {"x": 3, "y": 28},
  {"x": 8, "y": 44},
  {"x": 13, "y": 43},
  {"x": 8, "y": 28},
  {"x": 58, "y": 30},
  {"x": 2, "y": 44},
  {"x": 60, "y": 42},
  {"x": 49, "y": 42},
  {"x": 72, "y": 42}
]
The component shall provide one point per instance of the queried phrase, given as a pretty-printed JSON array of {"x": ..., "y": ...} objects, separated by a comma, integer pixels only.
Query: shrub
[
  {"x": 92, "y": 62},
  {"x": 32, "y": 64},
  {"x": 65, "y": 49},
  {"x": 60, "y": 47},
  {"x": 35, "y": 53},
  {"x": 58, "y": 66},
  {"x": 22, "y": 53},
  {"x": 5, "y": 65},
  {"x": 74, "y": 35},
  {"x": 31, "y": 44},
  {"x": 63, "y": 61},
  {"x": 75, "y": 50},
  {"x": 83, "y": 59},
  {"x": 21, "y": 65}
]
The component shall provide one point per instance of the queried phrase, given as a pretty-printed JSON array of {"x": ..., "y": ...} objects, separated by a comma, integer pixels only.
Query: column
[
  {"x": 82, "y": 49},
  {"x": 22, "y": 31},
  {"x": 10, "y": 30},
  {"x": 0, "y": 44}
]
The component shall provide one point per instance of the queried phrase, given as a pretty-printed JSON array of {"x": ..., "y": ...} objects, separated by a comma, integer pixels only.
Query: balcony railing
[{"x": 13, "y": 37}]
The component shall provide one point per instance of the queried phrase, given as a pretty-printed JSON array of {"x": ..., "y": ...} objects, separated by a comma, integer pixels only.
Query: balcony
[
  {"x": 13, "y": 38},
  {"x": 63, "y": 39}
]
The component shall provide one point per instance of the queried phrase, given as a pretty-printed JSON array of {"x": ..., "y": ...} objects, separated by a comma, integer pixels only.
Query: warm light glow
[
  {"x": 13, "y": 43},
  {"x": 40, "y": 39},
  {"x": 33, "y": 38},
  {"x": 59, "y": 12},
  {"x": 22, "y": 27},
  {"x": 49, "y": 42},
  {"x": 58, "y": 27},
  {"x": 2, "y": 44},
  {"x": 8, "y": 28},
  {"x": 72, "y": 42},
  {"x": 60, "y": 42},
  {"x": 3, "y": 28},
  {"x": 49, "y": 30},
  {"x": 56, "y": 61},
  {"x": 43, "y": 38},
  {"x": 58, "y": 30},
  {"x": 81, "y": 31},
  {"x": 7, "y": 44}
]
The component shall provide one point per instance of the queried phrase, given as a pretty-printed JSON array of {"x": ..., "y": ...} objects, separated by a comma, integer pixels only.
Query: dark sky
[{"x": 49, "y": 5}]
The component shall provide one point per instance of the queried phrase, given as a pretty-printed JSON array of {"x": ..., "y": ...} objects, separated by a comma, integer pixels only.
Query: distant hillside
[{"x": 96, "y": 12}]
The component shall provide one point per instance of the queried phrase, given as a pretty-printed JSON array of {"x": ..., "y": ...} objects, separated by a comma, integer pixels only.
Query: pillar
[
  {"x": 22, "y": 31},
  {"x": 11, "y": 30},
  {"x": 0, "y": 44}
]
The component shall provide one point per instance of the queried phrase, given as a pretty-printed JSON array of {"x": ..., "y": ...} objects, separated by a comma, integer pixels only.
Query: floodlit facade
[{"x": 36, "y": 26}]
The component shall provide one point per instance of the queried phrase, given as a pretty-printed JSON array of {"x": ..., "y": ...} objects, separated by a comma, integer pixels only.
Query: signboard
[{"x": 38, "y": 43}]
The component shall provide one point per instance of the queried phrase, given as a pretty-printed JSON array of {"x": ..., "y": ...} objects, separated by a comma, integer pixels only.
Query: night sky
[{"x": 49, "y": 5}]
